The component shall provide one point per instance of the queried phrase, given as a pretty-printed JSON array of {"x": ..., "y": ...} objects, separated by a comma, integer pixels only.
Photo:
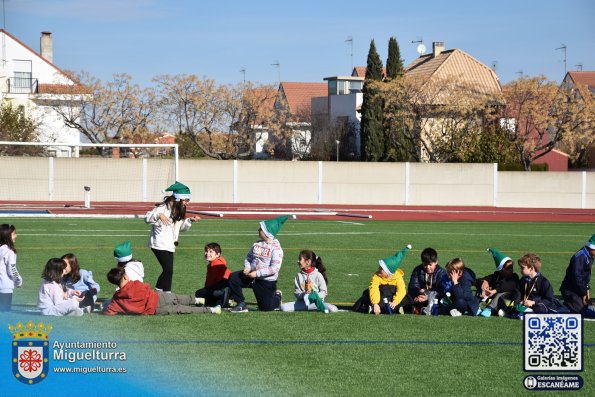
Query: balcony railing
[{"x": 21, "y": 85}]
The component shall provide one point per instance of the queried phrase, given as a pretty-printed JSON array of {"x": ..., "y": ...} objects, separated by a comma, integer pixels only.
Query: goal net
[{"x": 64, "y": 172}]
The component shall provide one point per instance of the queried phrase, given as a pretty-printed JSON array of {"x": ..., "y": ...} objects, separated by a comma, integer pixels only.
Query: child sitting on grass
[
  {"x": 81, "y": 280},
  {"x": 310, "y": 286},
  {"x": 425, "y": 284},
  {"x": 458, "y": 281},
  {"x": 537, "y": 294},
  {"x": 53, "y": 300},
  {"x": 498, "y": 288},
  {"x": 261, "y": 269},
  {"x": 386, "y": 293},
  {"x": 135, "y": 297},
  {"x": 215, "y": 291}
]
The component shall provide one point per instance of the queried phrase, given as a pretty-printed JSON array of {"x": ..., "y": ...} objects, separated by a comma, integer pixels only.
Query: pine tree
[
  {"x": 371, "y": 126},
  {"x": 396, "y": 146}
]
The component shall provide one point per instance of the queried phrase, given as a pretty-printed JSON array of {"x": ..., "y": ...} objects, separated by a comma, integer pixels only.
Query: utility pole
[{"x": 243, "y": 71}]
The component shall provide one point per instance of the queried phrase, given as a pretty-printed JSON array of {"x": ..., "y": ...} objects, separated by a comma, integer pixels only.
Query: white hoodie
[
  {"x": 9, "y": 275},
  {"x": 163, "y": 236}
]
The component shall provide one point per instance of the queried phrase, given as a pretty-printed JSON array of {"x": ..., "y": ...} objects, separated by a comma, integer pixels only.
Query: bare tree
[
  {"x": 541, "y": 114},
  {"x": 106, "y": 112}
]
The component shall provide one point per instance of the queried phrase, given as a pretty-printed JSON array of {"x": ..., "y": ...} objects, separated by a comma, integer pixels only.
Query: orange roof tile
[
  {"x": 360, "y": 71},
  {"x": 584, "y": 81},
  {"x": 63, "y": 89},
  {"x": 299, "y": 95}
]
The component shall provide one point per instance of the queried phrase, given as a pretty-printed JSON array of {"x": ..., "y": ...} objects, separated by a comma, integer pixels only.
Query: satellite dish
[{"x": 421, "y": 49}]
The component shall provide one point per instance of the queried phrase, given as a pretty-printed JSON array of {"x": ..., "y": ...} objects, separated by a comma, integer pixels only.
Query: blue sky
[{"x": 216, "y": 39}]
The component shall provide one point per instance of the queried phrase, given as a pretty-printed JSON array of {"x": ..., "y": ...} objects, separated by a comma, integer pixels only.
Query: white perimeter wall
[{"x": 302, "y": 182}]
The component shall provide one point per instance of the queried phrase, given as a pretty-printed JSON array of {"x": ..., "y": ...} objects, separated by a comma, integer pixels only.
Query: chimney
[
  {"x": 437, "y": 48},
  {"x": 47, "y": 47}
]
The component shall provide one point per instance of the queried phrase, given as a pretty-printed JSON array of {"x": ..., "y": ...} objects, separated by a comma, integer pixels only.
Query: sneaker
[
  {"x": 455, "y": 313},
  {"x": 401, "y": 310},
  {"x": 239, "y": 308},
  {"x": 279, "y": 293},
  {"x": 199, "y": 301},
  {"x": 501, "y": 313},
  {"x": 424, "y": 310},
  {"x": 487, "y": 312},
  {"x": 87, "y": 309},
  {"x": 216, "y": 309}
]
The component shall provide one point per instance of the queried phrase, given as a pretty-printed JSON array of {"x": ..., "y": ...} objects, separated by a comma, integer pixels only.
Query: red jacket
[
  {"x": 216, "y": 271},
  {"x": 135, "y": 298}
]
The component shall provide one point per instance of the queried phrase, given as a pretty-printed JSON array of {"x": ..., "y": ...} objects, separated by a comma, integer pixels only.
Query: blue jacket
[
  {"x": 462, "y": 291},
  {"x": 578, "y": 273},
  {"x": 85, "y": 283},
  {"x": 432, "y": 282}
]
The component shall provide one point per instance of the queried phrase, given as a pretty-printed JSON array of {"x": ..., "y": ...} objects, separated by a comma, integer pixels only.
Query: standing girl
[
  {"x": 81, "y": 280},
  {"x": 9, "y": 275},
  {"x": 167, "y": 220},
  {"x": 310, "y": 285},
  {"x": 53, "y": 300}
]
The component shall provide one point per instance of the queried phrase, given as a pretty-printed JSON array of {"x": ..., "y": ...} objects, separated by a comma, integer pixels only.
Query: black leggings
[{"x": 166, "y": 260}]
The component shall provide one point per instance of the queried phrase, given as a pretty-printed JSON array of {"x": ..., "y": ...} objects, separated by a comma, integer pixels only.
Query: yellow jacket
[{"x": 396, "y": 280}]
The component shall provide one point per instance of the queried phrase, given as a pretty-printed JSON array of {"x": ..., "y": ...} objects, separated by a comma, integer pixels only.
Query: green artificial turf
[{"x": 278, "y": 353}]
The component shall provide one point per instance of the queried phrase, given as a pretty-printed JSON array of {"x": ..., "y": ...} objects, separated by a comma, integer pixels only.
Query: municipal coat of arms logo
[{"x": 30, "y": 351}]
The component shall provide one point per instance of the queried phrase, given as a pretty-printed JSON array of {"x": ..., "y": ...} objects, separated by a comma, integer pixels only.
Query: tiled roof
[
  {"x": 584, "y": 81},
  {"x": 62, "y": 89},
  {"x": 299, "y": 95},
  {"x": 360, "y": 71},
  {"x": 456, "y": 63}
]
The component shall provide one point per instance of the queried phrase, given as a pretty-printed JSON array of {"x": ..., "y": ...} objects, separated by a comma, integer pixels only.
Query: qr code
[{"x": 553, "y": 342}]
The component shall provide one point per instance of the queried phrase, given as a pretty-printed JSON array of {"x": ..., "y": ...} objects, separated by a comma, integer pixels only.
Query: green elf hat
[
  {"x": 123, "y": 252},
  {"x": 499, "y": 258},
  {"x": 272, "y": 226},
  {"x": 591, "y": 243},
  {"x": 392, "y": 263},
  {"x": 180, "y": 191}
]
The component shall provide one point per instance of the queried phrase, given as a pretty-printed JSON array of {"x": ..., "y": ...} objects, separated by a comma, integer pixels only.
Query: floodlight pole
[{"x": 337, "y": 142}]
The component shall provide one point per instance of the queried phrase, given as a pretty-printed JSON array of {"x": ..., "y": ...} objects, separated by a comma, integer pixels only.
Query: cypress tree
[
  {"x": 394, "y": 63},
  {"x": 371, "y": 126},
  {"x": 396, "y": 146}
]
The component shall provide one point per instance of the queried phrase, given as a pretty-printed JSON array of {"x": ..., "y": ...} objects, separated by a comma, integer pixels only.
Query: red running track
[{"x": 378, "y": 212}]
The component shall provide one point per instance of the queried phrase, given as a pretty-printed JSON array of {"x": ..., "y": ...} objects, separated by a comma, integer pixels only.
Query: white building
[
  {"x": 30, "y": 81},
  {"x": 339, "y": 112}
]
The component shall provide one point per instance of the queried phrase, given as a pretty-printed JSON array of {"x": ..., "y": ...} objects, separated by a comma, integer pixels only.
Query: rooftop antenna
[
  {"x": 3, "y": 34},
  {"x": 350, "y": 41},
  {"x": 278, "y": 66},
  {"x": 563, "y": 47},
  {"x": 520, "y": 73},
  {"x": 421, "y": 48},
  {"x": 579, "y": 66},
  {"x": 243, "y": 71}
]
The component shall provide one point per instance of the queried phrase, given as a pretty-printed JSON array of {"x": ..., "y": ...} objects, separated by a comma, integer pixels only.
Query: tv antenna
[
  {"x": 278, "y": 66},
  {"x": 350, "y": 41},
  {"x": 579, "y": 66},
  {"x": 243, "y": 71},
  {"x": 520, "y": 73},
  {"x": 421, "y": 48},
  {"x": 563, "y": 47}
]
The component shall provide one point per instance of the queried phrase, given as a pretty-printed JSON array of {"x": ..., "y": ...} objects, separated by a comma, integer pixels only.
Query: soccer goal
[{"x": 34, "y": 171}]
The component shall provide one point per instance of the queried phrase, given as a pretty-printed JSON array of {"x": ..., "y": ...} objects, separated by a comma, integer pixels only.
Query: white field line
[{"x": 351, "y": 223}]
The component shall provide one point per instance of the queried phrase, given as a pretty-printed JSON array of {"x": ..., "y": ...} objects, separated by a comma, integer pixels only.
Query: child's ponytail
[{"x": 317, "y": 263}]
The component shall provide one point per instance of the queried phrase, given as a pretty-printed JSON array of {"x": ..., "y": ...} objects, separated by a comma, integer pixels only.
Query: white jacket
[
  {"x": 9, "y": 275},
  {"x": 163, "y": 236},
  {"x": 51, "y": 300}
]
